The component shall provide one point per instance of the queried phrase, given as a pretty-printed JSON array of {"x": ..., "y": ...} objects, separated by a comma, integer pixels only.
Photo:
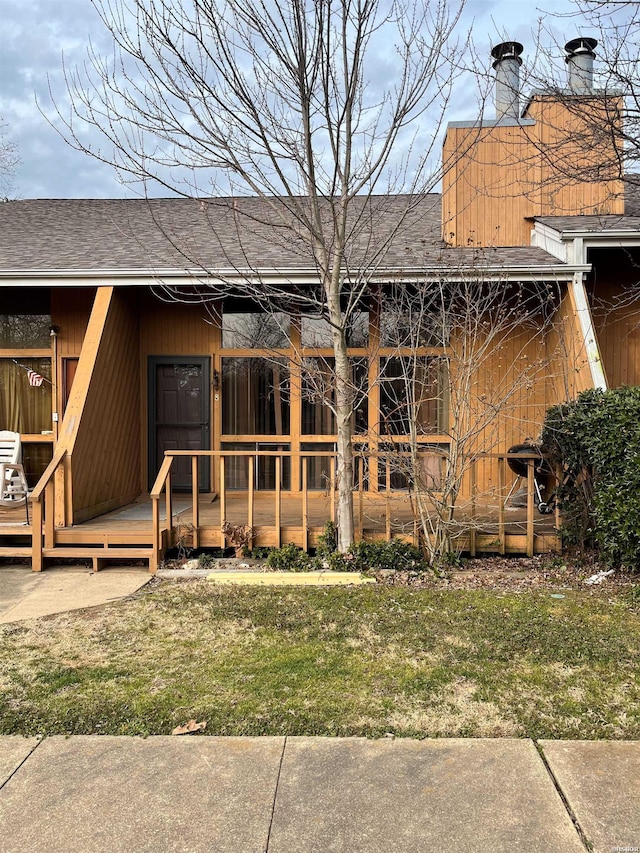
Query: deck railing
[
  {"x": 48, "y": 504},
  {"x": 164, "y": 480}
]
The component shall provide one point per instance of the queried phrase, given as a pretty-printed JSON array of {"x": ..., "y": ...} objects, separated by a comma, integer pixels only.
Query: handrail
[
  {"x": 163, "y": 481},
  {"x": 49, "y": 471},
  {"x": 44, "y": 510},
  {"x": 156, "y": 490}
]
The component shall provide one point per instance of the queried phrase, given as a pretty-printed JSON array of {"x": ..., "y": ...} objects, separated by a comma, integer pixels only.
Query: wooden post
[
  {"x": 252, "y": 464},
  {"x": 530, "y": 476},
  {"x": 49, "y": 514},
  {"x": 332, "y": 487},
  {"x": 558, "y": 514},
  {"x": 168, "y": 505},
  {"x": 278, "y": 499},
  {"x": 195, "y": 509},
  {"x": 157, "y": 541},
  {"x": 472, "y": 534},
  {"x": 502, "y": 537},
  {"x": 360, "y": 470},
  {"x": 36, "y": 536},
  {"x": 223, "y": 503},
  {"x": 305, "y": 504},
  {"x": 387, "y": 475}
]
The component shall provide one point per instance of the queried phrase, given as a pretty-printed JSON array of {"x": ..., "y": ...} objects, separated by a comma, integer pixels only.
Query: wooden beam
[
  {"x": 223, "y": 503},
  {"x": 36, "y": 536},
  {"x": 250, "y": 502},
  {"x": 530, "y": 502},
  {"x": 472, "y": 532},
  {"x": 278, "y": 508},
  {"x": 195, "y": 491},
  {"x": 305, "y": 504},
  {"x": 501, "y": 503},
  {"x": 168, "y": 503}
]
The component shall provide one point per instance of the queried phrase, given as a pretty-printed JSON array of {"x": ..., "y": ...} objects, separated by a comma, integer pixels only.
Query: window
[
  {"x": 24, "y": 407},
  {"x": 236, "y": 468},
  {"x": 255, "y": 396},
  {"x": 24, "y": 324},
  {"x": 318, "y": 394},
  {"x": 316, "y": 331},
  {"x": 255, "y": 330},
  {"x": 413, "y": 391}
]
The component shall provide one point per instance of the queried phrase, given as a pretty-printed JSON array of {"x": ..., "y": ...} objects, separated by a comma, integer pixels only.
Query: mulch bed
[{"x": 517, "y": 574}]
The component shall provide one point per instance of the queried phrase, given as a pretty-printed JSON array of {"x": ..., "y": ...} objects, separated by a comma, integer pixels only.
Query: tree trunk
[{"x": 344, "y": 468}]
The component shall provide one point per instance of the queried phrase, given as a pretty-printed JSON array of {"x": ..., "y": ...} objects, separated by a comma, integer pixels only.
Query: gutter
[{"x": 147, "y": 277}]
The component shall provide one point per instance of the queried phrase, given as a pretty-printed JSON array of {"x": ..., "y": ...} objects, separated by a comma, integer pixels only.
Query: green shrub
[
  {"x": 209, "y": 559},
  {"x": 327, "y": 541},
  {"x": 596, "y": 440},
  {"x": 290, "y": 558},
  {"x": 361, "y": 557},
  {"x": 365, "y": 556}
]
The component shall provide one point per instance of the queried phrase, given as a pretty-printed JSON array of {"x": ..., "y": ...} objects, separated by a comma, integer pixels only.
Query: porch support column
[{"x": 592, "y": 350}]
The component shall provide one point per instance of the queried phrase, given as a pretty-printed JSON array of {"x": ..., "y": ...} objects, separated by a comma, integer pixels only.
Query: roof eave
[{"x": 137, "y": 277}]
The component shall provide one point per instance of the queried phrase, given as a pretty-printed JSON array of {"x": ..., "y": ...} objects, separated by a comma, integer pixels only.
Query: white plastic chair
[{"x": 14, "y": 491}]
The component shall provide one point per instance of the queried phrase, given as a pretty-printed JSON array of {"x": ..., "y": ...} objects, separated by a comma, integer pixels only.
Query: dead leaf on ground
[{"x": 190, "y": 728}]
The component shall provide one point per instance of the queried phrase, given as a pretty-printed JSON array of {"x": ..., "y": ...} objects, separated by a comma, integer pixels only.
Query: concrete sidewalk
[
  {"x": 316, "y": 795},
  {"x": 30, "y": 595}
]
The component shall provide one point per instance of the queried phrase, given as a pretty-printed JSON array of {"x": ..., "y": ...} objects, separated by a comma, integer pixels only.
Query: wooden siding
[
  {"x": 70, "y": 311},
  {"x": 100, "y": 426},
  {"x": 496, "y": 177},
  {"x": 617, "y": 322}
]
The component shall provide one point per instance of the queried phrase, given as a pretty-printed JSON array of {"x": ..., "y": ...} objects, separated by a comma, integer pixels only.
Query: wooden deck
[{"x": 128, "y": 533}]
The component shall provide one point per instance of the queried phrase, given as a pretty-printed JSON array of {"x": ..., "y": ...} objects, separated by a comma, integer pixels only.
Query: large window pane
[
  {"x": 24, "y": 407},
  {"x": 267, "y": 330},
  {"x": 413, "y": 391},
  {"x": 255, "y": 396},
  {"x": 236, "y": 468},
  {"x": 318, "y": 395},
  {"x": 414, "y": 317},
  {"x": 318, "y": 467},
  {"x": 316, "y": 331},
  {"x": 24, "y": 323}
]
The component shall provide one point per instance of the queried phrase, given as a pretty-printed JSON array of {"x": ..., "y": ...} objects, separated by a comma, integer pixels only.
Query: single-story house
[{"x": 135, "y": 313}]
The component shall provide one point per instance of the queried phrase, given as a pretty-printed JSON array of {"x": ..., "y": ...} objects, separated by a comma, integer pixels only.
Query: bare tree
[
  {"x": 9, "y": 161},
  {"x": 472, "y": 348},
  {"x": 604, "y": 102},
  {"x": 310, "y": 105}
]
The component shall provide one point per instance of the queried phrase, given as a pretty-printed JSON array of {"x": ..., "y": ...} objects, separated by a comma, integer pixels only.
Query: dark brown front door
[{"x": 179, "y": 407}]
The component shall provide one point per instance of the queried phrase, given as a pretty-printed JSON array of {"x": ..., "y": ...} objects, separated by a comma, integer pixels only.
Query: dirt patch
[{"x": 516, "y": 574}]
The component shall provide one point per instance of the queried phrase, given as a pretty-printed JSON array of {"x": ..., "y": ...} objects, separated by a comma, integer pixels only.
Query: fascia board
[
  {"x": 147, "y": 278},
  {"x": 627, "y": 236}
]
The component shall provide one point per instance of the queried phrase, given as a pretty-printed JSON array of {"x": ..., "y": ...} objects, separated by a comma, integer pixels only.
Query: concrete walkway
[
  {"x": 316, "y": 795},
  {"x": 29, "y": 595}
]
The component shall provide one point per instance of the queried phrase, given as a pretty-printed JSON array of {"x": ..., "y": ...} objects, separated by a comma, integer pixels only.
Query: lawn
[{"x": 359, "y": 661}]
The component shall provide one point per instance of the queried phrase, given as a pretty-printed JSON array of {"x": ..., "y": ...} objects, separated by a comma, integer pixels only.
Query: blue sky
[{"x": 35, "y": 34}]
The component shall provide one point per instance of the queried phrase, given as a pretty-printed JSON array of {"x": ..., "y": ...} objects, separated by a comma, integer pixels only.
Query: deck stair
[{"x": 73, "y": 543}]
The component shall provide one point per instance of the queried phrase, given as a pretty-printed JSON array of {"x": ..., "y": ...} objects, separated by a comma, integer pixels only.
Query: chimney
[
  {"x": 579, "y": 58},
  {"x": 507, "y": 67}
]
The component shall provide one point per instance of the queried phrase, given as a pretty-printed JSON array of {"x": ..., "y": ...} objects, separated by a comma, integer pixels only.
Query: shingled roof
[{"x": 98, "y": 235}]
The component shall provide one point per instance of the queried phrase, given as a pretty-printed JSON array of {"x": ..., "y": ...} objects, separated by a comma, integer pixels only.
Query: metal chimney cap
[
  {"x": 507, "y": 50},
  {"x": 580, "y": 45}
]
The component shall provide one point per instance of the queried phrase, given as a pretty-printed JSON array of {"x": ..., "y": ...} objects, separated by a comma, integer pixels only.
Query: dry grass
[{"x": 414, "y": 662}]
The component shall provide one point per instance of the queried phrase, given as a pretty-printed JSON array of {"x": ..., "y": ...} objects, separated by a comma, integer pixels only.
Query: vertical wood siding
[
  {"x": 100, "y": 427},
  {"x": 616, "y": 315},
  {"x": 496, "y": 177}
]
